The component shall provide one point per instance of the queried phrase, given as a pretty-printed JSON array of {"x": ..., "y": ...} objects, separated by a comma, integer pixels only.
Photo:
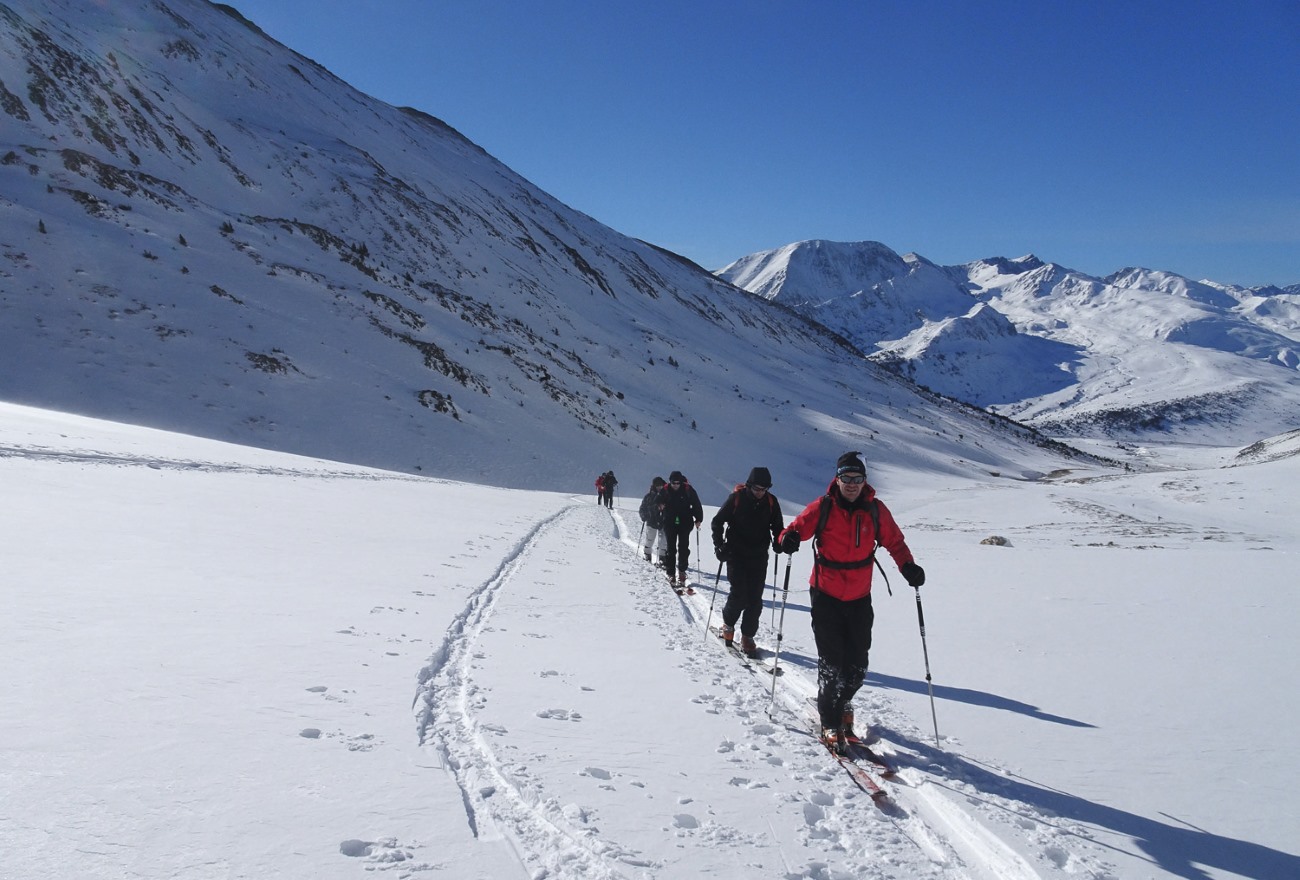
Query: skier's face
[{"x": 851, "y": 486}]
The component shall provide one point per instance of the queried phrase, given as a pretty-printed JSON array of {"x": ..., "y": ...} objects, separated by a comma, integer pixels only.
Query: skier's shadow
[
  {"x": 1181, "y": 850},
  {"x": 771, "y": 598},
  {"x": 973, "y": 697},
  {"x": 723, "y": 586}
]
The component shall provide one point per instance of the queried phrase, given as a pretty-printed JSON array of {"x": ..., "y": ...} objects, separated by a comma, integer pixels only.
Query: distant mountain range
[{"x": 1139, "y": 353}]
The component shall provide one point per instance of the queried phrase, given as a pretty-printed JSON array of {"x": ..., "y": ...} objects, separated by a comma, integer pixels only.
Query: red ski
[
  {"x": 856, "y": 771},
  {"x": 859, "y": 749}
]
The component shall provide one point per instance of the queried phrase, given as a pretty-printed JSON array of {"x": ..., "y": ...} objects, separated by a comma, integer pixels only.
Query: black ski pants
[
  {"x": 842, "y": 631},
  {"x": 747, "y": 578},
  {"x": 679, "y": 547}
]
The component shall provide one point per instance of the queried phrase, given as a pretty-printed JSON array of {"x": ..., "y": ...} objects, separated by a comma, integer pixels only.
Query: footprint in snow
[
  {"x": 560, "y": 714},
  {"x": 385, "y": 850}
]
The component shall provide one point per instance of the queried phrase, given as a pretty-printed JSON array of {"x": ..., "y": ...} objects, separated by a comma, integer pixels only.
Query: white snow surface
[{"x": 224, "y": 662}]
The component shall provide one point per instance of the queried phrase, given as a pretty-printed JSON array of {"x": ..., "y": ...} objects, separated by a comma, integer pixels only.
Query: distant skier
[
  {"x": 607, "y": 484},
  {"x": 682, "y": 512},
  {"x": 845, "y": 525},
  {"x": 652, "y": 519},
  {"x": 600, "y": 489},
  {"x": 748, "y": 522}
]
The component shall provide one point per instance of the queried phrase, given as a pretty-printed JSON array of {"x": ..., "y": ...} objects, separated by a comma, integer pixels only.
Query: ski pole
[
  {"x": 709, "y": 620},
  {"x": 698, "y": 557},
  {"x": 776, "y": 662},
  {"x": 776, "y": 563},
  {"x": 925, "y": 652}
]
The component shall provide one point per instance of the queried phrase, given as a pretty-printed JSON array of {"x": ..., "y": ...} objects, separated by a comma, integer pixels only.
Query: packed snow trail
[
  {"x": 495, "y": 804},
  {"x": 597, "y": 776},
  {"x": 954, "y": 827}
]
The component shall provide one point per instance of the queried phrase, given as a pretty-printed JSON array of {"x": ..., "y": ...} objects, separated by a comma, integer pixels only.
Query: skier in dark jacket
[
  {"x": 652, "y": 519},
  {"x": 607, "y": 484},
  {"x": 748, "y": 522},
  {"x": 682, "y": 512},
  {"x": 842, "y": 615}
]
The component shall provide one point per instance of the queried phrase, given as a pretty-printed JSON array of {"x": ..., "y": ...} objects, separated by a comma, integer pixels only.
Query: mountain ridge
[
  {"x": 1140, "y": 353},
  {"x": 205, "y": 232}
]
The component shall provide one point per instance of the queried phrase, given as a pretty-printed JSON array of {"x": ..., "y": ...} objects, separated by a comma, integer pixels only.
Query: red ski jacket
[{"x": 848, "y": 538}]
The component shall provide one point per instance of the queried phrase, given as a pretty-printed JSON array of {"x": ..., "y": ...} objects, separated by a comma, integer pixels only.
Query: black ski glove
[
  {"x": 913, "y": 573},
  {"x": 790, "y": 542},
  {"x": 721, "y": 551}
]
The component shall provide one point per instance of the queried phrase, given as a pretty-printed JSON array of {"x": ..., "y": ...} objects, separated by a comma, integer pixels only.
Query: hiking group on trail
[
  {"x": 605, "y": 484},
  {"x": 845, "y": 526}
]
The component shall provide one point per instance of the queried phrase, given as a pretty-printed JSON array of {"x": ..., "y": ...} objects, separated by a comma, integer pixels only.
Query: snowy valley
[
  {"x": 228, "y": 662},
  {"x": 301, "y": 400}
]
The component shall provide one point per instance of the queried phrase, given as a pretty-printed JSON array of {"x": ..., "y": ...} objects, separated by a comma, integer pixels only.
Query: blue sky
[{"x": 1097, "y": 135}]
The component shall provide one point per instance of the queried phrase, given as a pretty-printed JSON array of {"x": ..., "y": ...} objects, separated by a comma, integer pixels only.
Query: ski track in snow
[
  {"x": 496, "y": 806},
  {"x": 937, "y": 821}
]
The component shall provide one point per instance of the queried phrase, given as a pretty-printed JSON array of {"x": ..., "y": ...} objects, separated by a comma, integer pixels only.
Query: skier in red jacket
[{"x": 852, "y": 522}]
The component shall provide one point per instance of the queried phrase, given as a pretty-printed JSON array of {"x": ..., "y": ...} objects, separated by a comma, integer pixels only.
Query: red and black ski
[
  {"x": 862, "y": 750},
  {"x": 859, "y": 774}
]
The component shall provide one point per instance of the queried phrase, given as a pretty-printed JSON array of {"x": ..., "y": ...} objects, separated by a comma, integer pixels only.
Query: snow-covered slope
[
  {"x": 204, "y": 231},
  {"x": 1137, "y": 353},
  {"x": 224, "y": 662}
]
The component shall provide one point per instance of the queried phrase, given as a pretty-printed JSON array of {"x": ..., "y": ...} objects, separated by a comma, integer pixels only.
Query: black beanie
[
  {"x": 850, "y": 463},
  {"x": 657, "y": 483},
  {"x": 759, "y": 476},
  {"x": 676, "y": 477}
]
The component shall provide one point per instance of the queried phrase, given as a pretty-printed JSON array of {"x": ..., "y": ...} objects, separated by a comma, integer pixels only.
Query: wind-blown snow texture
[
  {"x": 1139, "y": 354},
  {"x": 230, "y": 663}
]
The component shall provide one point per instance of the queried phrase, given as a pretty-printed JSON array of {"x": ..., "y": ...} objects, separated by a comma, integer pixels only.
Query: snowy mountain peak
[
  {"x": 1138, "y": 352},
  {"x": 1176, "y": 285},
  {"x": 828, "y": 268}
]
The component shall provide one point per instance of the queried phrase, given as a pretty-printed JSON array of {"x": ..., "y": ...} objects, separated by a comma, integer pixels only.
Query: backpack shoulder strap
[
  {"x": 823, "y": 514},
  {"x": 732, "y": 502}
]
